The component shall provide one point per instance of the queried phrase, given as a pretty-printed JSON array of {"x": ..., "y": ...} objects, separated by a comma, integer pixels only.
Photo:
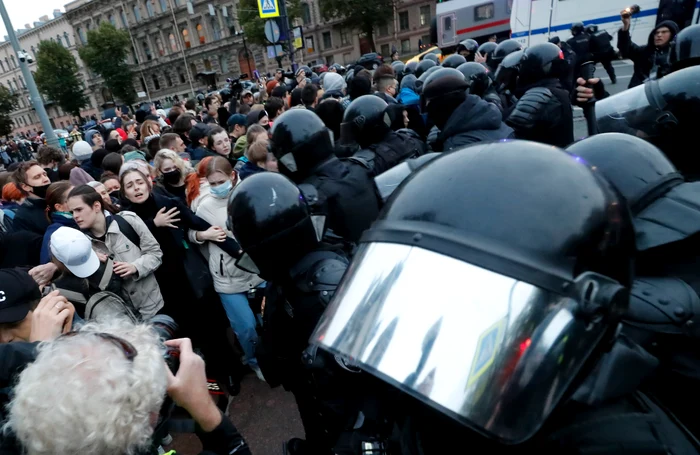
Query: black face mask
[
  {"x": 172, "y": 177},
  {"x": 115, "y": 194},
  {"x": 267, "y": 127},
  {"x": 40, "y": 191}
]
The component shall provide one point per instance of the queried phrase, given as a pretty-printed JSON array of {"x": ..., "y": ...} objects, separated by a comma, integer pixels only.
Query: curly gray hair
[{"x": 82, "y": 395}]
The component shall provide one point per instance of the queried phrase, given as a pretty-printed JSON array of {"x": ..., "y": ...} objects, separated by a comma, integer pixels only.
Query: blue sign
[
  {"x": 486, "y": 350},
  {"x": 268, "y": 8}
]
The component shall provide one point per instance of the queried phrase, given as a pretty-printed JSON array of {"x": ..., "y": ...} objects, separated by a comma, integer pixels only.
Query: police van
[{"x": 457, "y": 20}]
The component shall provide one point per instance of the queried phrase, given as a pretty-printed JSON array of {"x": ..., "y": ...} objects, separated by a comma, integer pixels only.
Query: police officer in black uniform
[
  {"x": 543, "y": 112},
  {"x": 665, "y": 304},
  {"x": 453, "y": 61},
  {"x": 480, "y": 84},
  {"x": 367, "y": 123},
  {"x": 506, "y": 81},
  {"x": 567, "y": 81},
  {"x": 281, "y": 241},
  {"x": 532, "y": 329},
  {"x": 303, "y": 147},
  {"x": 687, "y": 48},
  {"x": 423, "y": 66},
  {"x": 487, "y": 50},
  {"x": 663, "y": 112},
  {"x": 602, "y": 50},
  {"x": 468, "y": 49},
  {"x": 504, "y": 49},
  {"x": 580, "y": 42}
]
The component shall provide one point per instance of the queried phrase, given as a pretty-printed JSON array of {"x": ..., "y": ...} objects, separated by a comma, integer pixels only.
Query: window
[
  {"x": 223, "y": 63},
  {"x": 173, "y": 42},
  {"x": 7, "y": 62},
  {"x": 207, "y": 64},
  {"x": 327, "y": 42},
  {"x": 149, "y": 8},
  {"x": 21, "y": 81},
  {"x": 143, "y": 84},
  {"x": 186, "y": 38},
  {"x": 65, "y": 37},
  {"x": 425, "y": 15},
  {"x": 137, "y": 13},
  {"x": 112, "y": 20},
  {"x": 33, "y": 53},
  {"x": 215, "y": 28},
  {"x": 330, "y": 60},
  {"x": 309, "y": 44},
  {"x": 181, "y": 76},
  {"x": 159, "y": 46},
  {"x": 483, "y": 12},
  {"x": 88, "y": 25},
  {"x": 384, "y": 49},
  {"x": 403, "y": 20},
  {"x": 58, "y": 38},
  {"x": 200, "y": 34},
  {"x": 125, "y": 21},
  {"x": 306, "y": 13},
  {"x": 135, "y": 55},
  {"x": 14, "y": 63},
  {"x": 156, "y": 83},
  {"x": 425, "y": 41},
  {"x": 193, "y": 69},
  {"x": 147, "y": 51},
  {"x": 405, "y": 46},
  {"x": 2, "y": 66},
  {"x": 168, "y": 81},
  {"x": 163, "y": 6},
  {"x": 384, "y": 30},
  {"x": 97, "y": 21},
  {"x": 344, "y": 37}
]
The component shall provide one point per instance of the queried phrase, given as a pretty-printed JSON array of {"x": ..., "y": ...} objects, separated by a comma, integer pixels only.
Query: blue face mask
[
  {"x": 221, "y": 191},
  {"x": 68, "y": 215}
]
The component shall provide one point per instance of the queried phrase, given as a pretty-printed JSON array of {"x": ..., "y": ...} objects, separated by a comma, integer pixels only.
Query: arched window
[
  {"x": 65, "y": 37},
  {"x": 215, "y": 28},
  {"x": 156, "y": 82},
  {"x": 168, "y": 80},
  {"x": 200, "y": 34},
  {"x": 186, "y": 38},
  {"x": 147, "y": 51},
  {"x": 173, "y": 42},
  {"x": 21, "y": 81},
  {"x": 163, "y": 5},
  {"x": 149, "y": 8},
  {"x": 207, "y": 65},
  {"x": 125, "y": 21},
  {"x": 193, "y": 69},
  {"x": 223, "y": 63},
  {"x": 181, "y": 76},
  {"x": 2, "y": 66},
  {"x": 137, "y": 13},
  {"x": 58, "y": 38},
  {"x": 159, "y": 46},
  {"x": 112, "y": 20},
  {"x": 305, "y": 13},
  {"x": 14, "y": 63},
  {"x": 81, "y": 35}
]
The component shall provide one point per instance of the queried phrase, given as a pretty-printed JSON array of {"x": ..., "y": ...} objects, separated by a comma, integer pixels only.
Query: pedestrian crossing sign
[{"x": 268, "y": 8}]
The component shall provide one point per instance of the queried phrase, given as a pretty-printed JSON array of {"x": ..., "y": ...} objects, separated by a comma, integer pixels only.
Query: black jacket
[
  {"x": 31, "y": 216},
  {"x": 475, "y": 120},
  {"x": 581, "y": 45},
  {"x": 647, "y": 58}
]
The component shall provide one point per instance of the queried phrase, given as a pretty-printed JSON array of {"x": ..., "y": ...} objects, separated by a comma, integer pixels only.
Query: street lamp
[
  {"x": 23, "y": 58},
  {"x": 245, "y": 49}
]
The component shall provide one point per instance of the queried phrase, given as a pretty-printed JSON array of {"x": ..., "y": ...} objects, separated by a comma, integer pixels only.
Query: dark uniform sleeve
[
  {"x": 223, "y": 440},
  {"x": 627, "y": 48}
]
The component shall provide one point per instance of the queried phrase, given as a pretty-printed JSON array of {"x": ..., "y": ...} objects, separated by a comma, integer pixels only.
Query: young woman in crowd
[
  {"x": 230, "y": 282},
  {"x": 128, "y": 241},
  {"x": 58, "y": 214},
  {"x": 102, "y": 191},
  {"x": 197, "y": 184},
  {"x": 220, "y": 143},
  {"x": 184, "y": 277},
  {"x": 111, "y": 182},
  {"x": 172, "y": 171}
]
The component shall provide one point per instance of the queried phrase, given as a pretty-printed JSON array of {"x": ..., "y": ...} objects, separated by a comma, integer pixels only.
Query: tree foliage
[
  {"x": 254, "y": 26},
  {"x": 58, "y": 77},
  {"x": 105, "y": 54},
  {"x": 8, "y": 103},
  {"x": 363, "y": 15}
]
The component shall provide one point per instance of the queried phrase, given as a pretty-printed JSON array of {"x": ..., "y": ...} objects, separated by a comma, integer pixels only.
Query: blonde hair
[
  {"x": 86, "y": 383},
  {"x": 165, "y": 154},
  {"x": 148, "y": 128}
]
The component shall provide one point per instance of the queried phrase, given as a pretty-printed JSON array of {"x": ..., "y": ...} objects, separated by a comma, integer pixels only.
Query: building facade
[{"x": 24, "y": 118}]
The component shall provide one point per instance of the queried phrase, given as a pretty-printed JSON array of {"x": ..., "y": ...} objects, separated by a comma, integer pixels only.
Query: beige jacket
[{"x": 142, "y": 288}]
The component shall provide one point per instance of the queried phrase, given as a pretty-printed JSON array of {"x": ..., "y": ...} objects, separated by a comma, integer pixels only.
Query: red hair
[
  {"x": 192, "y": 180},
  {"x": 10, "y": 192}
]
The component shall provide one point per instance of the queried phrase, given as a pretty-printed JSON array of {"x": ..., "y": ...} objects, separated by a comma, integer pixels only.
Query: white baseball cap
[{"x": 74, "y": 250}]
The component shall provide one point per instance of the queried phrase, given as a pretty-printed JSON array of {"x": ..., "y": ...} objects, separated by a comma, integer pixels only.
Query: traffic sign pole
[{"x": 286, "y": 31}]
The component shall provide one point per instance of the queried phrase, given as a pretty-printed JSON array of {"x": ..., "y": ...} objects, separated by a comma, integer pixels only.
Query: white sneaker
[{"x": 257, "y": 371}]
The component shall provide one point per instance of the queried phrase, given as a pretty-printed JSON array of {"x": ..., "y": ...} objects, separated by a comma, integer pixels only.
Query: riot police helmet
[
  {"x": 469, "y": 45},
  {"x": 423, "y": 77},
  {"x": 507, "y": 72},
  {"x": 398, "y": 67},
  {"x": 486, "y": 50},
  {"x": 639, "y": 170},
  {"x": 504, "y": 49},
  {"x": 453, "y": 61},
  {"x": 447, "y": 82},
  {"x": 431, "y": 56},
  {"x": 410, "y": 68},
  {"x": 663, "y": 112},
  {"x": 576, "y": 28},
  {"x": 423, "y": 66},
  {"x": 273, "y": 223},
  {"x": 469, "y": 69},
  {"x": 365, "y": 121},
  {"x": 541, "y": 61},
  {"x": 533, "y": 290},
  {"x": 300, "y": 141},
  {"x": 686, "y": 51},
  {"x": 591, "y": 28}
]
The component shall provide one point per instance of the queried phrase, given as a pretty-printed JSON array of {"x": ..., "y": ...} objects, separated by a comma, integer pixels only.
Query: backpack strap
[
  {"x": 72, "y": 296},
  {"x": 107, "y": 276},
  {"x": 128, "y": 230}
]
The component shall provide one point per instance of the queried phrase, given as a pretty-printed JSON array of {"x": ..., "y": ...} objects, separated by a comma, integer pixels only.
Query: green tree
[
  {"x": 363, "y": 15},
  {"x": 254, "y": 26},
  {"x": 58, "y": 78},
  {"x": 105, "y": 54},
  {"x": 8, "y": 103}
]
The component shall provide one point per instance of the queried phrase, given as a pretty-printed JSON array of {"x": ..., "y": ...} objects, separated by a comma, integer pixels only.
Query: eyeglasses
[{"x": 127, "y": 348}]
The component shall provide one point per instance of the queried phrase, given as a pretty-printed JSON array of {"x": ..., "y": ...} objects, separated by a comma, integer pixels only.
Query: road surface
[{"x": 623, "y": 71}]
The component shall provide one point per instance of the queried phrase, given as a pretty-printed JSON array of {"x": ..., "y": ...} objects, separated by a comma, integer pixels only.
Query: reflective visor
[{"x": 492, "y": 352}]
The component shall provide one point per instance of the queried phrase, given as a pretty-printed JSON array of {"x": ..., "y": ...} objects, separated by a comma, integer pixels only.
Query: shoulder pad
[
  {"x": 364, "y": 157},
  {"x": 664, "y": 305},
  {"x": 310, "y": 193},
  {"x": 320, "y": 272},
  {"x": 529, "y": 108}
]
